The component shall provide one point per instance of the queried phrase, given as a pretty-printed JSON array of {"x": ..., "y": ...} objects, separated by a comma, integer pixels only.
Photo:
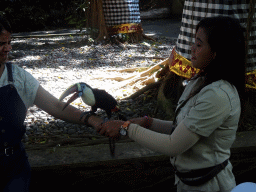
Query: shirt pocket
[{"x": 184, "y": 111}]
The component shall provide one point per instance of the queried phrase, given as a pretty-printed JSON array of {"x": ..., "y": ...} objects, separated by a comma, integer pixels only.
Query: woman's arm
[
  {"x": 172, "y": 145},
  {"x": 161, "y": 126},
  {"x": 157, "y": 125},
  {"x": 50, "y": 104}
]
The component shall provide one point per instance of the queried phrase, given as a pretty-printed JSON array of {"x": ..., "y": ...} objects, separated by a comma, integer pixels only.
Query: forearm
[
  {"x": 157, "y": 125},
  {"x": 50, "y": 104},
  {"x": 161, "y": 126},
  {"x": 70, "y": 114},
  {"x": 155, "y": 141},
  {"x": 95, "y": 121},
  {"x": 172, "y": 145}
]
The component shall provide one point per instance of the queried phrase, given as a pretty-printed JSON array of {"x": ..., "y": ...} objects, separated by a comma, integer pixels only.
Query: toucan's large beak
[{"x": 76, "y": 88}]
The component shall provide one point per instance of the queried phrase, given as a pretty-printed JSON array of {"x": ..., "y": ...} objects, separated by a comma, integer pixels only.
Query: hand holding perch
[
  {"x": 145, "y": 121},
  {"x": 111, "y": 129}
]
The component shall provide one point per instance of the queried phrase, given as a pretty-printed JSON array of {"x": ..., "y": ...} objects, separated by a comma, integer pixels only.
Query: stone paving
[{"x": 58, "y": 62}]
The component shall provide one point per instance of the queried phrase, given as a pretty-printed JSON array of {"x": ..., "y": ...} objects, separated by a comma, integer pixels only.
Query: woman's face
[
  {"x": 5, "y": 45},
  {"x": 201, "y": 54}
]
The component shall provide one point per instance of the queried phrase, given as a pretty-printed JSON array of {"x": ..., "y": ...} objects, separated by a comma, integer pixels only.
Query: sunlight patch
[
  {"x": 19, "y": 41},
  {"x": 31, "y": 58}
]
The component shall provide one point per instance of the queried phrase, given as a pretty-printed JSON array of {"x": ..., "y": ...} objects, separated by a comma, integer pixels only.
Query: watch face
[{"x": 123, "y": 132}]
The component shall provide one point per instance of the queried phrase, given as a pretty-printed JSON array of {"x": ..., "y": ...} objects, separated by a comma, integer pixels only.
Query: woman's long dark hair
[
  {"x": 4, "y": 24},
  {"x": 225, "y": 37}
]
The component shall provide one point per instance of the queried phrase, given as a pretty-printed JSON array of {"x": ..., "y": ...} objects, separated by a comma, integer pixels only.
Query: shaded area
[
  {"x": 121, "y": 175},
  {"x": 164, "y": 27},
  {"x": 81, "y": 52},
  {"x": 135, "y": 169},
  {"x": 138, "y": 174}
]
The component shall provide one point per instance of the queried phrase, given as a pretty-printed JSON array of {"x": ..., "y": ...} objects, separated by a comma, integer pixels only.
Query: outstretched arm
[
  {"x": 50, "y": 104},
  {"x": 172, "y": 145},
  {"x": 157, "y": 125}
]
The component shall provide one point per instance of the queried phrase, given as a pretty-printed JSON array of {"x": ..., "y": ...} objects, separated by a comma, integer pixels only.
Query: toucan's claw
[{"x": 84, "y": 113}]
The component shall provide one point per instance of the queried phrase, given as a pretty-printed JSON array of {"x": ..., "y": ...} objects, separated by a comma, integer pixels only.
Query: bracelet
[
  {"x": 104, "y": 121},
  {"x": 148, "y": 123},
  {"x": 88, "y": 115}
]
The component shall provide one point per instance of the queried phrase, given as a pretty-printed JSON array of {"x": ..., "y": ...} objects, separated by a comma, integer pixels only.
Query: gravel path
[{"x": 59, "y": 62}]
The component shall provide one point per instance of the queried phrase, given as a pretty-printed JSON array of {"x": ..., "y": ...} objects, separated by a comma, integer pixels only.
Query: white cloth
[
  {"x": 24, "y": 82},
  {"x": 119, "y": 12},
  {"x": 195, "y": 10}
]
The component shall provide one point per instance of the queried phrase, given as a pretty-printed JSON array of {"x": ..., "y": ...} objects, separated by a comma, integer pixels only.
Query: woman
[
  {"x": 18, "y": 91},
  {"x": 207, "y": 114}
]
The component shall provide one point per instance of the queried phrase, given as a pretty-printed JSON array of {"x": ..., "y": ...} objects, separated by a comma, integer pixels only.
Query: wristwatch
[{"x": 124, "y": 128}]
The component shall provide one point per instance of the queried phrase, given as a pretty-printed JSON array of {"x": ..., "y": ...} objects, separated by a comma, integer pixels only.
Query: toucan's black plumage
[
  {"x": 96, "y": 98},
  {"x": 104, "y": 101}
]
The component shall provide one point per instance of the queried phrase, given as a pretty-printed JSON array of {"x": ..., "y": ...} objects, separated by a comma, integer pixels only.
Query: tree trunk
[
  {"x": 117, "y": 28},
  {"x": 169, "y": 93}
]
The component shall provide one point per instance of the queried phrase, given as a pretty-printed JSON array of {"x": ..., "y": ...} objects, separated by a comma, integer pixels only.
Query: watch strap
[
  {"x": 126, "y": 125},
  {"x": 124, "y": 128}
]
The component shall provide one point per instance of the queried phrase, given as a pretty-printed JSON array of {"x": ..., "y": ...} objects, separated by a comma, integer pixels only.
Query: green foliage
[
  {"x": 21, "y": 14},
  {"x": 2, "y": 13},
  {"x": 30, "y": 15},
  {"x": 125, "y": 37},
  {"x": 77, "y": 17}
]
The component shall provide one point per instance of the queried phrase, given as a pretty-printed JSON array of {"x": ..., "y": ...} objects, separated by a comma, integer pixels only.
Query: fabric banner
[
  {"x": 251, "y": 79},
  {"x": 196, "y": 10},
  {"x": 119, "y": 12},
  {"x": 125, "y": 28},
  {"x": 182, "y": 67}
]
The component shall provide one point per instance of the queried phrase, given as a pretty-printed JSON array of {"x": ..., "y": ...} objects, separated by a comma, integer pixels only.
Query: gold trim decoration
[
  {"x": 125, "y": 28},
  {"x": 250, "y": 79},
  {"x": 181, "y": 66}
]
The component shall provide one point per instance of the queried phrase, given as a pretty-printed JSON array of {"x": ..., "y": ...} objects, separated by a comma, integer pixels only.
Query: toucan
[{"x": 95, "y": 98}]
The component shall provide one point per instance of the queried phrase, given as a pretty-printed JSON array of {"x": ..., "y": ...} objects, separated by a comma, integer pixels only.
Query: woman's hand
[
  {"x": 143, "y": 121},
  {"x": 140, "y": 121},
  {"x": 110, "y": 129}
]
